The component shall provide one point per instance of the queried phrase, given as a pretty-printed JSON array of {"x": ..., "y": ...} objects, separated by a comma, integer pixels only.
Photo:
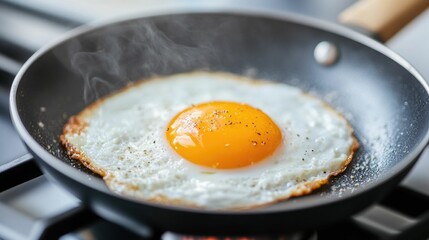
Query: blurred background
[
  {"x": 27, "y": 197},
  {"x": 27, "y": 25}
]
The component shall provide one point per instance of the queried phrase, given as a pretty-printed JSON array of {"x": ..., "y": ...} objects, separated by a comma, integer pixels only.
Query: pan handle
[{"x": 382, "y": 18}]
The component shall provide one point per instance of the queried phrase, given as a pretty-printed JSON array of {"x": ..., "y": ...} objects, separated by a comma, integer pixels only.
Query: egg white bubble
[{"x": 125, "y": 137}]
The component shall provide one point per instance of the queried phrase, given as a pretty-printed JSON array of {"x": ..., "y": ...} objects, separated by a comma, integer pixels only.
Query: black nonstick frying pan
[{"x": 383, "y": 97}]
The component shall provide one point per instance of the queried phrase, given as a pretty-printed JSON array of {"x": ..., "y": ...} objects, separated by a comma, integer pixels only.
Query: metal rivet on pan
[{"x": 326, "y": 53}]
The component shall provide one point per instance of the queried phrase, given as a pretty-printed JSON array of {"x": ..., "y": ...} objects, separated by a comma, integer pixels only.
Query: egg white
[{"x": 122, "y": 137}]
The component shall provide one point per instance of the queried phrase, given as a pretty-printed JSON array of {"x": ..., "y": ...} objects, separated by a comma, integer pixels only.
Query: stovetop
[{"x": 31, "y": 207}]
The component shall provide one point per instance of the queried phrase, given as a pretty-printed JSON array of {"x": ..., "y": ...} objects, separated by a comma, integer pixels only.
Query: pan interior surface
[{"x": 385, "y": 104}]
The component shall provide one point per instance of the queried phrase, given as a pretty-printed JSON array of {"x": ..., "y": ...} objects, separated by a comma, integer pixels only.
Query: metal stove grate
[{"x": 404, "y": 214}]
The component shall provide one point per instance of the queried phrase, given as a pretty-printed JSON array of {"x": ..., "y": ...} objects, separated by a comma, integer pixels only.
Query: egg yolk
[{"x": 223, "y": 135}]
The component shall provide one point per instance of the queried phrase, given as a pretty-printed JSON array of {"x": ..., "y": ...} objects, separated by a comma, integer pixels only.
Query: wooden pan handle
[{"x": 382, "y": 17}]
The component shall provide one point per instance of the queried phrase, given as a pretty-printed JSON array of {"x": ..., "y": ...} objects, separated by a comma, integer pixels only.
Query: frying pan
[{"x": 383, "y": 97}]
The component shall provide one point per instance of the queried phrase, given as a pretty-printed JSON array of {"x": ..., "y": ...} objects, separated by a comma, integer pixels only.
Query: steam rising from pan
[{"x": 128, "y": 54}]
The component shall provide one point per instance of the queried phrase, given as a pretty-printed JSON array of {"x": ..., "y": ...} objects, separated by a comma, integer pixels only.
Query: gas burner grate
[{"x": 403, "y": 214}]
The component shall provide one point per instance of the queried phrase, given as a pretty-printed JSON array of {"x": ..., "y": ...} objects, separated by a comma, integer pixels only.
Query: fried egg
[{"x": 211, "y": 140}]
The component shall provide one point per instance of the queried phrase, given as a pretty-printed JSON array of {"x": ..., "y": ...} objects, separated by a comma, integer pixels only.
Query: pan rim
[{"x": 306, "y": 202}]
